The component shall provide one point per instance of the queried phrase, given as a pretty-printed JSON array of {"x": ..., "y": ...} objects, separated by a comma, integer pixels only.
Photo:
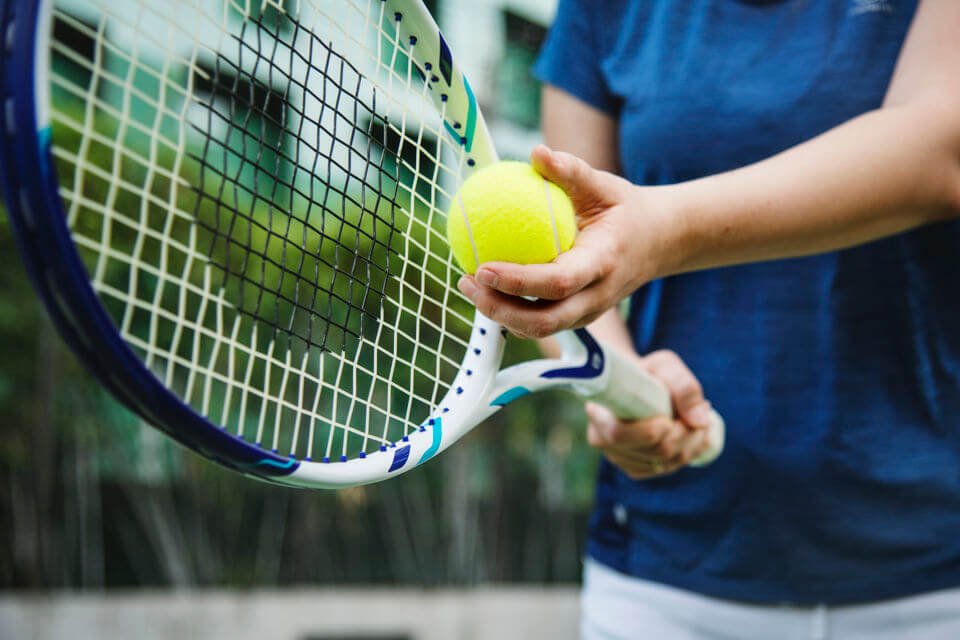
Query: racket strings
[{"x": 259, "y": 198}]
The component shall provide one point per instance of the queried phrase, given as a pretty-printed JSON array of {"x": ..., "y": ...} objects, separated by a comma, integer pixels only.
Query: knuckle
[
  {"x": 578, "y": 168},
  {"x": 544, "y": 326},
  {"x": 563, "y": 285},
  {"x": 515, "y": 283},
  {"x": 688, "y": 388},
  {"x": 488, "y": 305},
  {"x": 588, "y": 319},
  {"x": 537, "y": 332},
  {"x": 665, "y": 449},
  {"x": 654, "y": 433},
  {"x": 660, "y": 358},
  {"x": 615, "y": 434},
  {"x": 606, "y": 262},
  {"x": 668, "y": 355}
]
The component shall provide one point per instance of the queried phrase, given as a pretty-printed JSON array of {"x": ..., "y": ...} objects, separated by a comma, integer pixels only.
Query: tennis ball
[{"x": 508, "y": 212}]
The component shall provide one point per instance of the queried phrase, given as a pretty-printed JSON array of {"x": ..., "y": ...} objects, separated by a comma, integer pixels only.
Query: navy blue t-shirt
[{"x": 838, "y": 374}]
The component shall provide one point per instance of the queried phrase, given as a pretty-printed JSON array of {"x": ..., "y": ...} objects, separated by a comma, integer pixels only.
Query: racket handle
[{"x": 632, "y": 393}]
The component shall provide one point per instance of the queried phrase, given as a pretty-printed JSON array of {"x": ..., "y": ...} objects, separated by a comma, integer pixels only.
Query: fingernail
[
  {"x": 700, "y": 416},
  {"x": 488, "y": 278},
  {"x": 467, "y": 287}
]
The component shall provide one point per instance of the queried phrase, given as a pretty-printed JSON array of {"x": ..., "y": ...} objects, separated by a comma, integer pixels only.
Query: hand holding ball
[{"x": 508, "y": 212}]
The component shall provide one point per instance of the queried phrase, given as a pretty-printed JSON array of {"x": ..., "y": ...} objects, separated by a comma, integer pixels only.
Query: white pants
[{"x": 619, "y": 607}]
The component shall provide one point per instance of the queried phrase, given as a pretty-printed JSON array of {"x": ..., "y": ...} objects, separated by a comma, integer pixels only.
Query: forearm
[{"x": 879, "y": 174}]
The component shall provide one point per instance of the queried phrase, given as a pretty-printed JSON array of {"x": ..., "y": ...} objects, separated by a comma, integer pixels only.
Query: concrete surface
[{"x": 489, "y": 613}]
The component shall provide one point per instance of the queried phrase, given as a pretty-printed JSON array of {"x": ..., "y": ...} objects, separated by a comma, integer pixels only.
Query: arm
[
  {"x": 643, "y": 448},
  {"x": 882, "y": 173}
]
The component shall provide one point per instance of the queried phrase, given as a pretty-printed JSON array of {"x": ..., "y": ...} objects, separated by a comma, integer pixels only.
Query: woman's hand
[
  {"x": 620, "y": 246},
  {"x": 658, "y": 446}
]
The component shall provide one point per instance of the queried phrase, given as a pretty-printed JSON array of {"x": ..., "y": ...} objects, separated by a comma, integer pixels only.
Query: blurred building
[{"x": 496, "y": 42}]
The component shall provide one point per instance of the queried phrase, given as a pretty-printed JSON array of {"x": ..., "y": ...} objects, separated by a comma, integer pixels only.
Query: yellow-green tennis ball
[{"x": 508, "y": 212}]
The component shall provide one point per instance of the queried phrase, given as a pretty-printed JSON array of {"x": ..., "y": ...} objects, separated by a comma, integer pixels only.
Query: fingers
[
  {"x": 696, "y": 445},
  {"x": 685, "y": 390},
  {"x": 643, "y": 448},
  {"x": 642, "y": 470},
  {"x": 645, "y": 435},
  {"x": 569, "y": 274},
  {"x": 524, "y": 318},
  {"x": 531, "y": 318},
  {"x": 589, "y": 189},
  {"x": 567, "y": 171}
]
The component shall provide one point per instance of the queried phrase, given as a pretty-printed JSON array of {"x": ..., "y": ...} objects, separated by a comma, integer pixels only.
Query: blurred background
[{"x": 111, "y": 530}]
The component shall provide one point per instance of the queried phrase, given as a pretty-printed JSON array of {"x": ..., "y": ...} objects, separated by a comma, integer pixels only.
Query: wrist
[{"x": 665, "y": 225}]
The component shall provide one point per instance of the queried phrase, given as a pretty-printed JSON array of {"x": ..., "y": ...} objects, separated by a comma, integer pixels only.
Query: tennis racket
[{"x": 234, "y": 213}]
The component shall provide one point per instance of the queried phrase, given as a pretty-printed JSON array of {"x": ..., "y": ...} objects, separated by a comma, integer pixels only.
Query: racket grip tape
[{"x": 632, "y": 393}]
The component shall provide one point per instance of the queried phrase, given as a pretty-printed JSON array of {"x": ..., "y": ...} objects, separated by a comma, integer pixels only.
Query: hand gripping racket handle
[{"x": 632, "y": 393}]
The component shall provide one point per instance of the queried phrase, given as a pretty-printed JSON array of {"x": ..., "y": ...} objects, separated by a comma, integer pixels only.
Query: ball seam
[
  {"x": 553, "y": 218},
  {"x": 466, "y": 225}
]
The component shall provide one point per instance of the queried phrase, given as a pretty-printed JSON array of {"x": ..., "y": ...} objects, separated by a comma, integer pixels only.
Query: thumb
[
  {"x": 685, "y": 390},
  {"x": 572, "y": 174}
]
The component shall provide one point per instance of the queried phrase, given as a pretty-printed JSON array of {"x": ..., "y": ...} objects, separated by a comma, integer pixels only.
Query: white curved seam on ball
[
  {"x": 466, "y": 224},
  {"x": 553, "y": 216}
]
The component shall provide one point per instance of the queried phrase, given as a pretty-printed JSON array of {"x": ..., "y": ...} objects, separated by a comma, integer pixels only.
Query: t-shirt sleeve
[{"x": 570, "y": 56}]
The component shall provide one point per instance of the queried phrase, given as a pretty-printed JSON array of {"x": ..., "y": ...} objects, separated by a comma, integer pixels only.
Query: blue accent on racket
[
  {"x": 435, "y": 443},
  {"x": 509, "y": 396},
  {"x": 400, "y": 457},
  {"x": 593, "y": 366}
]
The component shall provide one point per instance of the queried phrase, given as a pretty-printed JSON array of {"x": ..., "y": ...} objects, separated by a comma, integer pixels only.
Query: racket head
[{"x": 93, "y": 311}]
